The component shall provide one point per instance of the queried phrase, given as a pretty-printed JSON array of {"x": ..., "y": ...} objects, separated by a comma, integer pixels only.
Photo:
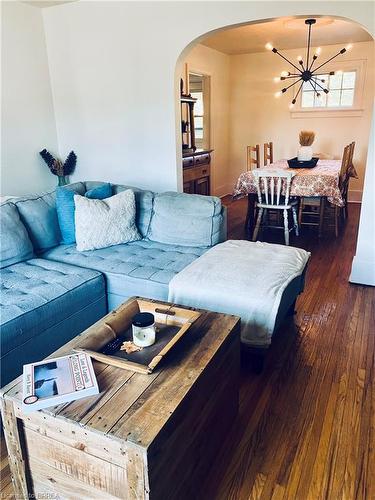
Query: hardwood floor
[{"x": 306, "y": 425}]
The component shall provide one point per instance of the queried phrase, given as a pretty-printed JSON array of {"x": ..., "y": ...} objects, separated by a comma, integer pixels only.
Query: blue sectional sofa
[{"x": 51, "y": 292}]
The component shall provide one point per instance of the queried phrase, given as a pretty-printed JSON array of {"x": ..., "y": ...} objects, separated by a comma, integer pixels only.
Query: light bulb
[
  {"x": 277, "y": 94},
  {"x": 284, "y": 73},
  {"x": 269, "y": 46},
  {"x": 276, "y": 79},
  {"x": 349, "y": 46},
  {"x": 318, "y": 51},
  {"x": 291, "y": 105},
  {"x": 339, "y": 72},
  {"x": 299, "y": 58}
]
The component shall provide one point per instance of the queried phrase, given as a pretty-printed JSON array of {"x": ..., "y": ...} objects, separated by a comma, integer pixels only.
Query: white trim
[
  {"x": 327, "y": 113},
  {"x": 363, "y": 272}
]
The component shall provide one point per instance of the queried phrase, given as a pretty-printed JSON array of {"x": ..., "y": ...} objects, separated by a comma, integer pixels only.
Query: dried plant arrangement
[
  {"x": 306, "y": 137},
  {"x": 57, "y": 167}
]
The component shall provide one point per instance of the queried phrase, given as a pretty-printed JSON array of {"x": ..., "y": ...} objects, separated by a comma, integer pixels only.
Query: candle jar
[{"x": 143, "y": 327}]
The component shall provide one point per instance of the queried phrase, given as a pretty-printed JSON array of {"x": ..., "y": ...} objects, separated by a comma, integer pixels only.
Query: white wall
[
  {"x": 363, "y": 267},
  {"x": 258, "y": 117},
  {"x": 115, "y": 80},
  {"x": 217, "y": 65},
  {"x": 28, "y": 123}
]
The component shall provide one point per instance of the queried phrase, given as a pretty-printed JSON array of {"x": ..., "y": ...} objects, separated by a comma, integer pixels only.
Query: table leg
[
  {"x": 321, "y": 216},
  {"x": 250, "y": 216}
]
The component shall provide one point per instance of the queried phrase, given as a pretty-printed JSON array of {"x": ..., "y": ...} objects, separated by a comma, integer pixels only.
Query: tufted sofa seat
[
  {"x": 42, "y": 303},
  {"x": 139, "y": 268}
]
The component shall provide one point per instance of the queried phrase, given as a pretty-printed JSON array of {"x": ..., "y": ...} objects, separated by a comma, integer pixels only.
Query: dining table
[{"x": 323, "y": 180}]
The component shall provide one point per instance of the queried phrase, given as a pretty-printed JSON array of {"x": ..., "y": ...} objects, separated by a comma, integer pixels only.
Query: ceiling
[
  {"x": 285, "y": 33},
  {"x": 47, "y": 3}
]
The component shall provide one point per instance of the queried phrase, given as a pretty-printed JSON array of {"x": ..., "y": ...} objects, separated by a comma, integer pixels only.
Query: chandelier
[{"x": 306, "y": 72}]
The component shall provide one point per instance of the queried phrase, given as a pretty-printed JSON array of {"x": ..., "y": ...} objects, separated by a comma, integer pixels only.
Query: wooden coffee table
[{"x": 143, "y": 436}]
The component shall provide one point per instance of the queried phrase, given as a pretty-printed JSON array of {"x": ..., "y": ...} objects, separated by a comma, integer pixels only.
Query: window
[
  {"x": 341, "y": 91},
  {"x": 198, "y": 115},
  {"x": 199, "y": 89}
]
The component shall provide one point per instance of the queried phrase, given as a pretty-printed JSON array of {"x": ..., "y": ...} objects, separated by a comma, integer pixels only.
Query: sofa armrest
[{"x": 224, "y": 226}]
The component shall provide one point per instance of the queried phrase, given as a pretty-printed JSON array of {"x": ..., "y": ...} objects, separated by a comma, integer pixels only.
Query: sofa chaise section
[{"x": 43, "y": 305}]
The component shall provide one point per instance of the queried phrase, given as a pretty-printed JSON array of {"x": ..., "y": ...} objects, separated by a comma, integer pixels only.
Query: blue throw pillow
[
  {"x": 100, "y": 192},
  {"x": 65, "y": 209}
]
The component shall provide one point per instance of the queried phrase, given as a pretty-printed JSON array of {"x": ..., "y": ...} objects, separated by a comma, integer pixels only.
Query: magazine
[{"x": 58, "y": 380}]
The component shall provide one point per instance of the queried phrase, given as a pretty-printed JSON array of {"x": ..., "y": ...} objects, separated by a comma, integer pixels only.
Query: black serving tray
[{"x": 294, "y": 163}]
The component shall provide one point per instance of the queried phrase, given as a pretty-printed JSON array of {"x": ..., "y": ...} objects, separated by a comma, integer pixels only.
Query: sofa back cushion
[
  {"x": 38, "y": 213},
  {"x": 65, "y": 206},
  {"x": 186, "y": 219},
  {"x": 15, "y": 242},
  {"x": 143, "y": 201}
]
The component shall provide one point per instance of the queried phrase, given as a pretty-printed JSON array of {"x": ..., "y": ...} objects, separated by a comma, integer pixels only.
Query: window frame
[
  {"x": 204, "y": 143},
  {"x": 359, "y": 66}
]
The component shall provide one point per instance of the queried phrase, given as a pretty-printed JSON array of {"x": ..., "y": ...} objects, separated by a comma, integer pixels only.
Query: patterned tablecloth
[{"x": 322, "y": 180}]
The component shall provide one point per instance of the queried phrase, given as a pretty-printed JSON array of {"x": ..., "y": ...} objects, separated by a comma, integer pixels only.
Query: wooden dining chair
[
  {"x": 252, "y": 157},
  {"x": 315, "y": 211},
  {"x": 343, "y": 185},
  {"x": 350, "y": 166},
  {"x": 269, "y": 185},
  {"x": 268, "y": 153}
]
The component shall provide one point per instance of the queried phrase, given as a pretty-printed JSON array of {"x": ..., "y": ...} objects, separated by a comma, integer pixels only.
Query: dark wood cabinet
[
  {"x": 202, "y": 186},
  {"x": 197, "y": 172},
  {"x": 189, "y": 187}
]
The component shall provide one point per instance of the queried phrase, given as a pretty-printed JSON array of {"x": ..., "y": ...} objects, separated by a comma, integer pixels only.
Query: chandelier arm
[
  {"x": 318, "y": 84},
  {"x": 312, "y": 64},
  {"x": 311, "y": 82},
  {"x": 291, "y": 76},
  {"x": 298, "y": 91},
  {"x": 287, "y": 60},
  {"x": 291, "y": 85},
  {"x": 328, "y": 60},
  {"x": 314, "y": 87}
]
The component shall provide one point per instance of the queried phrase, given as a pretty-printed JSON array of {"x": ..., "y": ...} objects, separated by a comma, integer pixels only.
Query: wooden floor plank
[{"x": 306, "y": 425}]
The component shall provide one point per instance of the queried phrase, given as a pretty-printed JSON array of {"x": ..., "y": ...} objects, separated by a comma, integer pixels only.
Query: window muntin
[{"x": 341, "y": 94}]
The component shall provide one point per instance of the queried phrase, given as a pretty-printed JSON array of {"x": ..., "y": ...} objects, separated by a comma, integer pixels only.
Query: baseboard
[
  {"x": 354, "y": 196},
  {"x": 363, "y": 272},
  {"x": 223, "y": 190}
]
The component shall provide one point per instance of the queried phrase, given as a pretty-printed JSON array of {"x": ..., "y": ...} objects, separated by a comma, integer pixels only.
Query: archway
[{"x": 361, "y": 144}]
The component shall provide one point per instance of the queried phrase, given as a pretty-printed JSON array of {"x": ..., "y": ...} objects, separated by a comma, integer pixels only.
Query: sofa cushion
[
  {"x": 138, "y": 268},
  {"x": 104, "y": 223},
  {"x": 38, "y": 213},
  {"x": 65, "y": 206},
  {"x": 15, "y": 242},
  {"x": 39, "y": 293},
  {"x": 144, "y": 203},
  {"x": 185, "y": 219},
  {"x": 100, "y": 192}
]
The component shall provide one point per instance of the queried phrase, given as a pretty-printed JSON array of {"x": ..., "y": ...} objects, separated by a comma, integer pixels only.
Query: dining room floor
[{"x": 305, "y": 428}]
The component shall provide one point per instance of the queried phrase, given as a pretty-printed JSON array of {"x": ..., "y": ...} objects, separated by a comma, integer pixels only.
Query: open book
[{"x": 54, "y": 381}]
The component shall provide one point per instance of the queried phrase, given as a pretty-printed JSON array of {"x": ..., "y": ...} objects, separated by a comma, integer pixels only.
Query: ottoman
[{"x": 257, "y": 281}]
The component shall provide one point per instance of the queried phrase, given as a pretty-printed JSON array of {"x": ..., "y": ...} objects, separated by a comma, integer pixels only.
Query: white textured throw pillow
[{"x": 102, "y": 223}]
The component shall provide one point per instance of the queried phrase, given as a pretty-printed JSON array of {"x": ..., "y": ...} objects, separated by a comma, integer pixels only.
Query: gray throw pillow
[{"x": 102, "y": 223}]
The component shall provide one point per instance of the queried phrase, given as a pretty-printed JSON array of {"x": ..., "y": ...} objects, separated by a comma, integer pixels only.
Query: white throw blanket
[{"x": 242, "y": 278}]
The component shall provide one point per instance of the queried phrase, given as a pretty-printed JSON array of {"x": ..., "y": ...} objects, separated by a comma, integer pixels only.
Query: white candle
[{"x": 143, "y": 329}]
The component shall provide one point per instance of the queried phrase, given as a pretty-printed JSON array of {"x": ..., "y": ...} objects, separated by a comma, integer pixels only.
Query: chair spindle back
[
  {"x": 273, "y": 187},
  {"x": 268, "y": 153},
  {"x": 251, "y": 158}
]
